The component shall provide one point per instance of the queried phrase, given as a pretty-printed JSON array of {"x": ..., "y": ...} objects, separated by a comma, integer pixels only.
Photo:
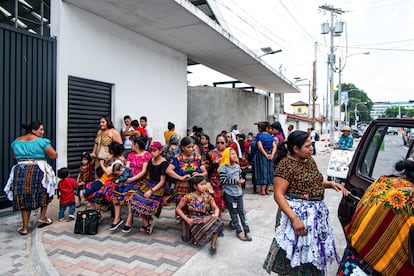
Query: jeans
[
  {"x": 236, "y": 210},
  {"x": 62, "y": 209},
  {"x": 314, "y": 148},
  {"x": 95, "y": 186}
]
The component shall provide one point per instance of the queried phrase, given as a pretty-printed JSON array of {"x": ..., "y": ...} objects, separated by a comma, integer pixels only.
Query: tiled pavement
[
  {"x": 55, "y": 250},
  {"x": 115, "y": 252}
]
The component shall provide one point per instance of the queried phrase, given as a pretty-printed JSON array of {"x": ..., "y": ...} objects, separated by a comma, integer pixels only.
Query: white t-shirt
[
  {"x": 313, "y": 135},
  {"x": 148, "y": 129},
  {"x": 127, "y": 142}
]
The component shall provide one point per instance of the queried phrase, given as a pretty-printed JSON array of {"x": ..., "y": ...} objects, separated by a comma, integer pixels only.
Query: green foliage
[
  {"x": 394, "y": 112},
  {"x": 356, "y": 96}
]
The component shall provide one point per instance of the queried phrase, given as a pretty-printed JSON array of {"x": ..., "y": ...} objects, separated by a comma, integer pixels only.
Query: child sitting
[
  {"x": 230, "y": 179},
  {"x": 67, "y": 186},
  {"x": 94, "y": 186},
  {"x": 85, "y": 173},
  {"x": 201, "y": 215}
]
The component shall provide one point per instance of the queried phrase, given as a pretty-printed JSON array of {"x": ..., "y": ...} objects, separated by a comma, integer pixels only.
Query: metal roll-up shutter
[
  {"x": 27, "y": 91},
  {"x": 88, "y": 100}
]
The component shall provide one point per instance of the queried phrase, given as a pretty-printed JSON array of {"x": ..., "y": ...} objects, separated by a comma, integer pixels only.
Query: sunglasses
[{"x": 220, "y": 143}]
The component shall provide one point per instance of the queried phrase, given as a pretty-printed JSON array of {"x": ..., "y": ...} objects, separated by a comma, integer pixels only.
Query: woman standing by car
[
  {"x": 303, "y": 242},
  {"x": 32, "y": 182}
]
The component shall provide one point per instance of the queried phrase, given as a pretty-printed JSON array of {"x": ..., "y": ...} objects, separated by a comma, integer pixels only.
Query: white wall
[{"x": 148, "y": 78}]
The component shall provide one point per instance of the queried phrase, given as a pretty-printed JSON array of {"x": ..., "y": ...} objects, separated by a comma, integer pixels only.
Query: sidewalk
[{"x": 55, "y": 250}]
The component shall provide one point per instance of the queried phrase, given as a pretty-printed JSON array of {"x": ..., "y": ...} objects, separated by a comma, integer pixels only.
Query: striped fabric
[
  {"x": 203, "y": 228},
  {"x": 27, "y": 189},
  {"x": 379, "y": 229}
]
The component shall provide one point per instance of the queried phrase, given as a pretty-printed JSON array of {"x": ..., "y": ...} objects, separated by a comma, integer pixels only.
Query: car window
[{"x": 384, "y": 150}]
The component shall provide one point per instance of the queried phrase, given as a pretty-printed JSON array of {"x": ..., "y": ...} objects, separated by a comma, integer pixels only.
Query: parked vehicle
[
  {"x": 392, "y": 130},
  {"x": 356, "y": 133},
  {"x": 375, "y": 155}
]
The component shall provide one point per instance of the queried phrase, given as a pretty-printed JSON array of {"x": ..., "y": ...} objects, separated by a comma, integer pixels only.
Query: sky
[{"x": 384, "y": 28}]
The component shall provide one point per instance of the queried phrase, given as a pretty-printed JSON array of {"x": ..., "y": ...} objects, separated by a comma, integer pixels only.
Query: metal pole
[
  {"x": 16, "y": 13},
  {"x": 331, "y": 94},
  {"x": 41, "y": 17},
  {"x": 309, "y": 97},
  {"x": 314, "y": 87}
]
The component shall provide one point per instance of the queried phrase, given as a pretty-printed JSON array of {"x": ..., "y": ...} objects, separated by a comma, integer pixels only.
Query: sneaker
[
  {"x": 126, "y": 229},
  {"x": 61, "y": 219},
  {"x": 115, "y": 226},
  {"x": 71, "y": 217}
]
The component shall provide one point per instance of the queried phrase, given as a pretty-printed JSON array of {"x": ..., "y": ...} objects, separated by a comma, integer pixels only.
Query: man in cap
[{"x": 346, "y": 141}]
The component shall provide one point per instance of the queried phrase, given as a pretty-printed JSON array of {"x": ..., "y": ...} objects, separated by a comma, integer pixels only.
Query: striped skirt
[
  {"x": 147, "y": 206},
  {"x": 28, "y": 191},
  {"x": 203, "y": 229}
]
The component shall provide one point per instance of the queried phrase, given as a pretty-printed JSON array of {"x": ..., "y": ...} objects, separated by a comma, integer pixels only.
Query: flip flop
[
  {"x": 44, "y": 224},
  {"x": 20, "y": 231}
]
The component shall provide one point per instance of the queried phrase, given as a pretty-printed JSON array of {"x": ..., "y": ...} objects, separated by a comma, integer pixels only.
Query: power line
[
  {"x": 265, "y": 34},
  {"x": 379, "y": 49},
  {"x": 389, "y": 42}
]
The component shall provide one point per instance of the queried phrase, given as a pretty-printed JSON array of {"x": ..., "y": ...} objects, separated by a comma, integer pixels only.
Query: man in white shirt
[{"x": 125, "y": 138}]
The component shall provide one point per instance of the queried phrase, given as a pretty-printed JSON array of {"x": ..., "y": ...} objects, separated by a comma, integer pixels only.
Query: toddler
[
  {"x": 122, "y": 174},
  {"x": 94, "y": 186},
  {"x": 67, "y": 186},
  {"x": 85, "y": 173},
  {"x": 231, "y": 181}
]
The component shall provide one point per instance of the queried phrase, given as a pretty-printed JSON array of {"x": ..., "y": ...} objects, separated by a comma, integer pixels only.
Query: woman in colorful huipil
[
  {"x": 213, "y": 162},
  {"x": 185, "y": 165},
  {"x": 32, "y": 182},
  {"x": 303, "y": 243},
  {"x": 200, "y": 213},
  {"x": 148, "y": 199}
]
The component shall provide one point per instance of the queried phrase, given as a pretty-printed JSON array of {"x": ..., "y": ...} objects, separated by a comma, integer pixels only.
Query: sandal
[
  {"x": 44, "y": 224},
  {"x": 20, "y": 231}
]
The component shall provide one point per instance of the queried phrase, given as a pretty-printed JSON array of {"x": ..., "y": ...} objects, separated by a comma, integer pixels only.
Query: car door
[{"x": 376, "y": 155}]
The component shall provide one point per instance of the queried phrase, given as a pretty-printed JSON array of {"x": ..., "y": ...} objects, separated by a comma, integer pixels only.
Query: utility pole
[
  {"x": 314, "y": 97},
  {"x": 332, "y": 30}
]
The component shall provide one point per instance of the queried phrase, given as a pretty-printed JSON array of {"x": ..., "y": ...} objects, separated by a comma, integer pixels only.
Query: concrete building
[
  {"x": 378, "y": 108},
  {"x": 114, "y": 57}
]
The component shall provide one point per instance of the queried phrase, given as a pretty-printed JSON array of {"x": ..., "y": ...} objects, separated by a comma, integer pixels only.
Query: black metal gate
[
  {"x": 88, "y": 100},
  {"x": 27, "y": 89}
]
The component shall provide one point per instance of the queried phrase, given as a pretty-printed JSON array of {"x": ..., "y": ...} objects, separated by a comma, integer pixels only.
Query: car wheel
[{"x": 329, "y": 178}]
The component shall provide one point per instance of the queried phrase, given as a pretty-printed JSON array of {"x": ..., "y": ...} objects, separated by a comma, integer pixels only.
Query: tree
[
  {"x": 394, "y": 112},
  {"x": 356, "y": 96}
]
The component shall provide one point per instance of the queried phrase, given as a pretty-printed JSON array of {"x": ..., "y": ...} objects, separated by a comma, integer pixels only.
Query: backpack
[{"x": 316, "y": 136}]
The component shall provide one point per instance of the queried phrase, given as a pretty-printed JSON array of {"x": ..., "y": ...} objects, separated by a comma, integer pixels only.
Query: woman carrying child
[
  {"x": 147, "y": 201},
  {"x": 137, "y": 160},
  {"x": 200, "y": 213},
  {"x": 231, "y": 181}
]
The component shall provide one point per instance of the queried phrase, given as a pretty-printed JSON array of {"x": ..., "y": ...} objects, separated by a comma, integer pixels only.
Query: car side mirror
[{"x": 411, "y": 244}]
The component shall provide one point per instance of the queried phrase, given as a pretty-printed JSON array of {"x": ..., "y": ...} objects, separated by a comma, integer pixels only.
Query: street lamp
[
  {"x": 269, "y": 51},
  {"x": 356, "y": 113},
  {"x": 299, "y": 79}
]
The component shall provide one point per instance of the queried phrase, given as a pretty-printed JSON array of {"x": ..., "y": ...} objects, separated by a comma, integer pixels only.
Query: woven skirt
[{"x": 28, "y": 191}]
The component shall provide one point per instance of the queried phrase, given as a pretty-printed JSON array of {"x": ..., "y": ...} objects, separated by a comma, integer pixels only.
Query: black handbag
[{"x": 87, "y": 222}]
